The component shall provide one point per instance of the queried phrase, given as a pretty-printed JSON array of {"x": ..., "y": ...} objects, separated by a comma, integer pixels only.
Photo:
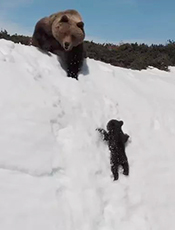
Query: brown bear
[
  {"x": 116, "y": 140},
  {"x": 63, "y": 34}
]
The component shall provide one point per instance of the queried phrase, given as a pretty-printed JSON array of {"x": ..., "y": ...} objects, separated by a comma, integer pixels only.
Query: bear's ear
[
  {"x": 64, "y": 18},
  {"x": 121, "y": 123},
  {"x": 80, "y": 25}
]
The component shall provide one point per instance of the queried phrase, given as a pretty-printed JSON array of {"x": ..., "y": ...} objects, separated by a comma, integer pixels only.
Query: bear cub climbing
[{"x": 116, "y": 140}]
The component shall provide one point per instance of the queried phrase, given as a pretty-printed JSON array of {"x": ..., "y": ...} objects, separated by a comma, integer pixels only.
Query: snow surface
[{"x": 54, "y": 168}]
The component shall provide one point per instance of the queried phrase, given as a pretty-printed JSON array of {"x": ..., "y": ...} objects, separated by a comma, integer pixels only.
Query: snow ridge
[{"x": 54, "y": 168}]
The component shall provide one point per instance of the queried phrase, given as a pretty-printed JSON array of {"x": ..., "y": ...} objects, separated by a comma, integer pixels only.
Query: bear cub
[{"x": 116, "y": 140}]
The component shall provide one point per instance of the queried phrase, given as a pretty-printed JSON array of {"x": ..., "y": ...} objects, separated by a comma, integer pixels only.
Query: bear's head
[
  {"x": 114, "y": 125},
  {"x": 68, "y": 32}
]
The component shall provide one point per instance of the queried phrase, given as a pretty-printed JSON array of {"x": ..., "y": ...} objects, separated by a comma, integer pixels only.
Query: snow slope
[{"x": 54, "y": 168}]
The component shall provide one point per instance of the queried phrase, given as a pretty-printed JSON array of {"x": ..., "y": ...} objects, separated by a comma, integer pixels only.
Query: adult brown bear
[{"x": 63, "y": 34}]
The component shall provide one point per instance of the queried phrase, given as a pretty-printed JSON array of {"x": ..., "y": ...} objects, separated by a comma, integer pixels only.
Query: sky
[{"x": 112, "y": 21}]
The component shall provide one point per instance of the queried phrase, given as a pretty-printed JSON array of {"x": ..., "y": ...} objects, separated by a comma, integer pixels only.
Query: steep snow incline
[{"x": 54, "y": 168}]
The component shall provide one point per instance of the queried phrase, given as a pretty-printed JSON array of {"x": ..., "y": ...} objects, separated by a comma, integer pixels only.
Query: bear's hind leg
[
  {"x": 114, "y": 169},
  {"x": 125, "y": 166}
]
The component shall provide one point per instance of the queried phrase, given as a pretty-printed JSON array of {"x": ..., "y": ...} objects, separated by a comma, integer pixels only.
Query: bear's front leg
[
  {"x": 125, "y": 138},
  {"x": 74, "y": 61},
  {"x": 104, "y": 134}
]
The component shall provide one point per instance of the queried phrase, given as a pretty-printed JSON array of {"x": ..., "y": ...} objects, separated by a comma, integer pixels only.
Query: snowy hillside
[{"x": 54, "y": 168}]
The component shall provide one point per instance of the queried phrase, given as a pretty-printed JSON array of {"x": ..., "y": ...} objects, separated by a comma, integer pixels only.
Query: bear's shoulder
[{"x": 45, "y": 24}]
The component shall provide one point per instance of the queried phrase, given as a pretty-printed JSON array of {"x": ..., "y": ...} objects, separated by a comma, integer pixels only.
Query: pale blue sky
[{"x": 148, "y": 21}]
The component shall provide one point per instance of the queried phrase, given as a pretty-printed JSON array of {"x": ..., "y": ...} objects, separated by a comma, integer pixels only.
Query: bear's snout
[{"x": 66, "y": 45}]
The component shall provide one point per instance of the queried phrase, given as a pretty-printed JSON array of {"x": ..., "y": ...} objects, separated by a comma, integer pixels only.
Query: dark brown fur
[
  {"x": 116, "y": 140},
  {"x": 62, "y": 34}
]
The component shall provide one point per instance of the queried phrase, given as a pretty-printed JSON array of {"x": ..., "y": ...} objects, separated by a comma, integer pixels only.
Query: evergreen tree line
[{"x": 128, "y": 55}]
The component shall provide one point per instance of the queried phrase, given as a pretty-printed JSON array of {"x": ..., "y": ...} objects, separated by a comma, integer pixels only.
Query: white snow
[{"x": 54, "y": 168}]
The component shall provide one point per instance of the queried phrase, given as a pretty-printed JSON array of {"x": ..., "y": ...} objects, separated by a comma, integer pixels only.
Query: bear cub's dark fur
[{"x": 116, "y": 140}]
